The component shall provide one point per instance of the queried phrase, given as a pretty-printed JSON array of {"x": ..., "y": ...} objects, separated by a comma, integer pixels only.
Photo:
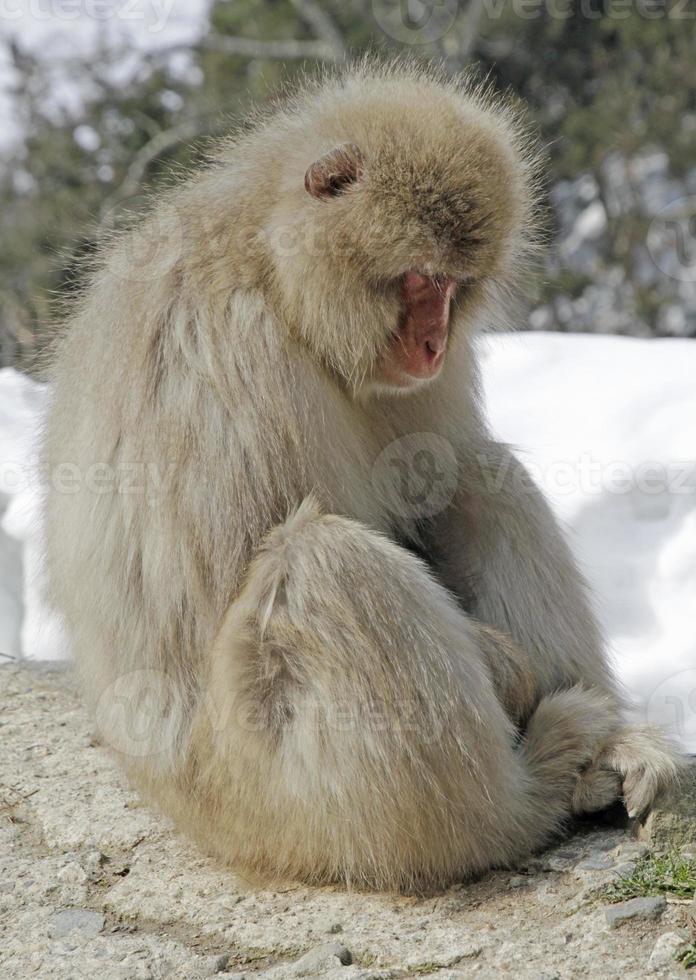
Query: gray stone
[
  {"x": 635, "y": 908},
  {"x": 665, "y": 950},
  {"x": 93, "y": 863},
  {"x": 632, "y": 850},
  {"x": 606, "y": 840},
  {"x": 87, "y": 923},
  {"x": 596, "y": 862},
  {"x": 625, "y": 869},
  {"x": 671, "y": 824},
  {"x": 553, "y": 862}
]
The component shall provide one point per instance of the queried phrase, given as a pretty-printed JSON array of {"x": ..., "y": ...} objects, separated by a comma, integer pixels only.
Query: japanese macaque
[{"x": 325, "y": 619}]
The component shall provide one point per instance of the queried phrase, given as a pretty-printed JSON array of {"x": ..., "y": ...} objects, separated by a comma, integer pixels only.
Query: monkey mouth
[{"x": 419, "y": 345}]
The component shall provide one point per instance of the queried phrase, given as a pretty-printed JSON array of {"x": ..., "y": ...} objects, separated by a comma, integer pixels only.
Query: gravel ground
[{"x": 95, "y": 885}]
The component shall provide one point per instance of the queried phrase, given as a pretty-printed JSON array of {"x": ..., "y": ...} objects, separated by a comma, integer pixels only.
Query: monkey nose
[{"x": 436, "y": 343}]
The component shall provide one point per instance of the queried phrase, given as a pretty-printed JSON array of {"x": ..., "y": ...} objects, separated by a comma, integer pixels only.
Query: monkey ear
[{"x": 331, "y": 174}]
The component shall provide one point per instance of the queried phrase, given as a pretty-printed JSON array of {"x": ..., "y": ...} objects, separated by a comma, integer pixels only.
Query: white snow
[
  {"x": 608, "y": 427},
  {"x": 27, "y": 626},
  {"x": 590, "y": 223}
]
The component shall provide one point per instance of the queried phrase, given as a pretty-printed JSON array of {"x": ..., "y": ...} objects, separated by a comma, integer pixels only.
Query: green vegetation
[
  {"x": 687, "y": 956},
  {"x": 668, "y": 874}
]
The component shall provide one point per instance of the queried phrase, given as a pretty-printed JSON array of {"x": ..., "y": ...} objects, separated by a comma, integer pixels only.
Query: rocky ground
[{"x": 94, "y": 885}]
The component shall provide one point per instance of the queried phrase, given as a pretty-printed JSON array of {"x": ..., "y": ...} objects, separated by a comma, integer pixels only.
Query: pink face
[{"x": 418, "y": 346}]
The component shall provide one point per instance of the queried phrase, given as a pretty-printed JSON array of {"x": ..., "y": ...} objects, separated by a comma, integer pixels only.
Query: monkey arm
[
  {"x": 511, "y": 672},
  {"x": 501, "y": 550},
  {"x": 501, "y": 546}
]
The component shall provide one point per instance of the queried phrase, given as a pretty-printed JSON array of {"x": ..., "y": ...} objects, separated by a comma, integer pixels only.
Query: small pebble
[
  {"x": 319, "y": 961},
  {"x": 93, "y": 863},
  {"x": 625, "y": 869},
  {"x": 72, "y": 873},
  {"x": 218, "y": 964},
  {"x": 87, "y": 923}
]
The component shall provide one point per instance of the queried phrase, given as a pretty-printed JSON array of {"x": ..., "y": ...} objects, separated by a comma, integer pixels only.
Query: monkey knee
[
  {"x": 273, "y": 571},
  {"x": 284, "y": 621},
  {"x": 314, "y": 564}
]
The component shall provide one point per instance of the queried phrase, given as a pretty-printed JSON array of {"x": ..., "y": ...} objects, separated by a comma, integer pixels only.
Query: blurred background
[{"x": 102, "y": 100}]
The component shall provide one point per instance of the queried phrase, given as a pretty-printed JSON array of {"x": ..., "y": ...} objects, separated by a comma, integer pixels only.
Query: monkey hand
[{"x": 637, "y": 763}]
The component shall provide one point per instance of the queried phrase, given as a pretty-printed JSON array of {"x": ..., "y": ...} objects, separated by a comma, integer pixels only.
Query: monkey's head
[{"x": 404, "y": 209}]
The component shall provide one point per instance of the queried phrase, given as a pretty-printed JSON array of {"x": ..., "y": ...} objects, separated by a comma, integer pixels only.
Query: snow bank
[
  {"x": 608, "y": 427},
  {"x": 27, "y": 626}
]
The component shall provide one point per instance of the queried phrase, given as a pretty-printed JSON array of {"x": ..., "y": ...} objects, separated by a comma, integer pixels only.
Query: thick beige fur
[{"x": 291, "y": 665}]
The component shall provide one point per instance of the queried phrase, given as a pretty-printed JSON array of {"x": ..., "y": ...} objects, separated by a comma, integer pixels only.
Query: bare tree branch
[
  {"x": 322, "y": 24},
  {"x": 155, "y": 146},
  {"x": 329, "y": 49},
  {"x": 247, "y": 47}
]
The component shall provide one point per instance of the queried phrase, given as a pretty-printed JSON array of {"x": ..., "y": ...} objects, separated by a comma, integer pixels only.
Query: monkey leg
[{"x": 351, "y": 730}]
